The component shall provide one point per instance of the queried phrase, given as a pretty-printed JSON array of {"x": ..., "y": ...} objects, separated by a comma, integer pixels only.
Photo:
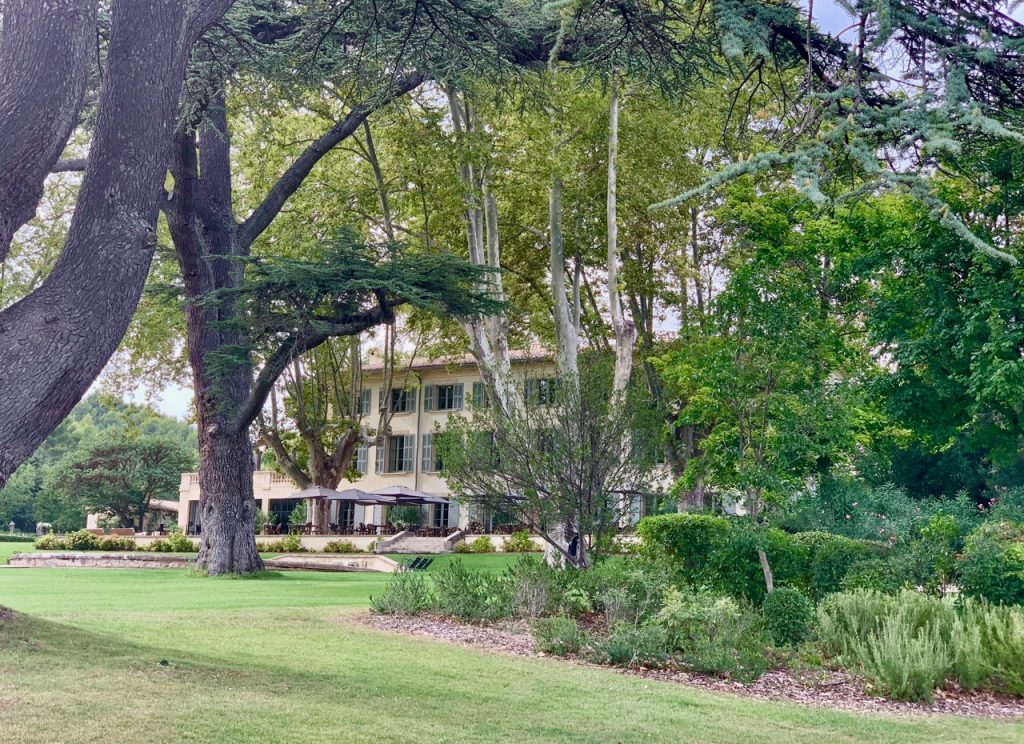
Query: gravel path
[{"x": 825, "y": 689}]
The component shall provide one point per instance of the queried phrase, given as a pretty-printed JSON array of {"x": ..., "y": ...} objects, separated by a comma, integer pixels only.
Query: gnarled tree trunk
[
  {"x": 55, "y": 341},
  {"x": 44, "y": 67}
]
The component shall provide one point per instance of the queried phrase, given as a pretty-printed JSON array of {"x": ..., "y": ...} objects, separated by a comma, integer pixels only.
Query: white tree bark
[
  {"x": 624, "y": 330},
  {"x": 488, "y": 335},
  {"x": 567, "y": 339}
]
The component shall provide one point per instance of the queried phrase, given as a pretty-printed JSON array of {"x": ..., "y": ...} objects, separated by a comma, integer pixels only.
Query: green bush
[
  {"x": 909, "y": 644},
  {"x": 1001, "y": 634},
  {"x": 559, "y": 635},
  {"x": 287, "y": 544},
  {"x": 534, "y": 588},
  {"x": 114, "y": 543},
  {"x": 787, "y": 615},
  {"x": 482, "y": 544},
  {"x": 7, "y": 537},
  {"x": 173, "y": 543},
  {"x": 626, "y": 591},
  {"x": 714, "y": 634},
  {"x": 49, "y": 542},
  {"x": 520, "y": 542},
  {"x": 826, "y": 558},
  {"x": 82, "y": 540},
  {"x": 991, "y": 566},
  {"x": 472, "y": 595},
  {"x": 903, "y": 663},
  {"x": 341, "y": 546},
  {"x": 630, "y": 646},
  {"x": 887, "y": 575},
  {"x": 736, "y": 569},
  {"x": 406, "y": 593},
  {"x": 463, "y": 548},
  {"x": 688, "y": 538}
]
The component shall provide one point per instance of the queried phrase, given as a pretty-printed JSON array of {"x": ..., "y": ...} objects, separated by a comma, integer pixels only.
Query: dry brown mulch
[{"x": 823, "y": 688}]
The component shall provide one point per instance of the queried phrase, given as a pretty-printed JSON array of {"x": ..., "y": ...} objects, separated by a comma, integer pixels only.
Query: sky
[{"x": 176, "y": 401}]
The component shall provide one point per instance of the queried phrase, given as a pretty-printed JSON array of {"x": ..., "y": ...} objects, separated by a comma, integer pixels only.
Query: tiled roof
[{"x": 536, "y": 353}]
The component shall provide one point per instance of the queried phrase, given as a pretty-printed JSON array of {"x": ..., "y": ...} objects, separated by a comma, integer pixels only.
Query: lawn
[{"x": 167, "y": 656}]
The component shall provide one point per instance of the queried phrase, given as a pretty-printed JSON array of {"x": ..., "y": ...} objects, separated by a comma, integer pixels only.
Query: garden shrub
[
  {"x": 482, "y": 544},
  {"x": 49, "y": 542},
  {"x": 688, "y": 538},
  {"x": 902, "y": 662},
  {"x": 887, "y": 575},
  {"x": 714, "y": 634},
  {"x": 406, "y": 593},
  {"x": 287, "y": 544},
  {"x": 992, "y": 563},
  {"x": 737, "y": 570},
  {"x": 630, "y": 646},
  {"x": 625, "y": 591},
  {"x": 911, "y": 643},
  {"x": 114, "y": 543},
  {"x": 463, "y": 548},
  {"x": 559, "y": 635},
  {"x": 787, "y": 615},
  {"x": 472, "y": 595},
  {"x": 520, "y": 542},
  {"x": 341, "y": 546},
  {"x": 82, "y": 540},
  {"x": 173, "y": 543},
  {"x": 826, "y": 559},
  {"x": 7, "y": 537},
  {"x": 533, "y": 588},
  {"x": 1001, "y": 631}
]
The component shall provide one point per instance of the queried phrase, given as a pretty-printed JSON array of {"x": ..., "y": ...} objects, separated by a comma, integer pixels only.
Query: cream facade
[{"x": 422, "y": 400}]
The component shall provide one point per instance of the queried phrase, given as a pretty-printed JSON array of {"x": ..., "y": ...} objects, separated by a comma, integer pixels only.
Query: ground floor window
[
  {"x": 194, "y": 522},
  {"x": 439, "y": 518},
  {"x": 346, "y": 514},
  {"x": 281, "y": 509}
]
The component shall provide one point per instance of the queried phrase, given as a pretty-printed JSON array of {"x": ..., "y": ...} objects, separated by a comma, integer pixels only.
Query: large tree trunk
[
  {"x": 227, "y": 507},
  {"x": 206, "y": 240},
  {"x": 44, "y": 67},
  {"x": 54, "y": 342}
]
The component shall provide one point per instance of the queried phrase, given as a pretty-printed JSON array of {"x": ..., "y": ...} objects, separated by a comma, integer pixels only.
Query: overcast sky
[{"x": 829, "y": 16}]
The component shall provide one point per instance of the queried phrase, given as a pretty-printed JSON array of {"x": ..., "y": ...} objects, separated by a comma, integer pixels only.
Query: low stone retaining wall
[
  {"x": 333, "y": 562},
  {"x": 98, "y": 560}
]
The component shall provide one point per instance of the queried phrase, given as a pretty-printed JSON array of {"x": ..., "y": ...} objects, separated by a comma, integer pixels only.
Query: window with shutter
[
  {"x": 364, "y": 402},
  {"x": 428, "y": 397},
  {"x": 379, "y": 452},
  {"x": 361, "y": 459},
  {"x": 409, "y": 454},
  {"x": 428, "y": 453},
  {"x": 457, "y": 395},
  {"x": 478, "y": 394}
]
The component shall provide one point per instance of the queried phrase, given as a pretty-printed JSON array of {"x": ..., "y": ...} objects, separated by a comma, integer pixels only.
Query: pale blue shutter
[
  {"x": 428, "y": 453},
  {"x": 364, "y": 402},
  {"x": 409, "y": 450},
  {"x": 478, "y": 394},
  {"x": 361, "y": 457},
  {"x": 457, "y": 395},
  {"x": 428, "y": 397},
  {"x": 380, "y": 456}
]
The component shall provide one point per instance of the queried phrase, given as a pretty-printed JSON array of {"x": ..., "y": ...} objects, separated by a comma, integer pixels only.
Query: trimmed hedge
[
  {"x": 7, "y": 537},
  {"x": 721, "y": 553}
]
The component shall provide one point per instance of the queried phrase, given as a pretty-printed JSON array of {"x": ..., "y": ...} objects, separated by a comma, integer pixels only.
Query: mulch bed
[{"x": 824, "y": 688}]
